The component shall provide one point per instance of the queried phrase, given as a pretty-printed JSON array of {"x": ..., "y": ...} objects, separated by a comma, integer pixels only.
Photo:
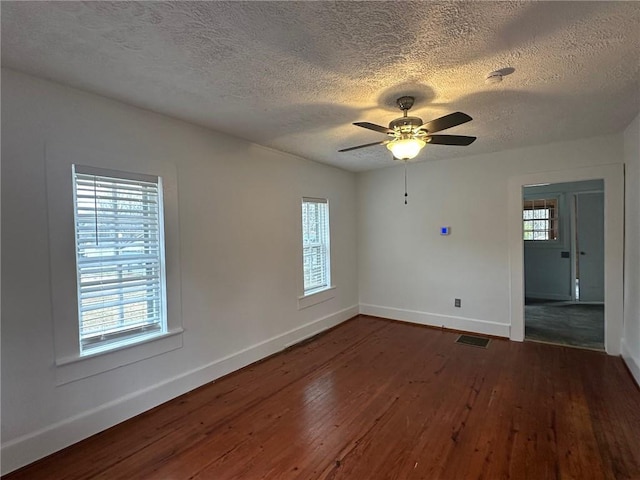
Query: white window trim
[
  {"x": 313, "y": 298},
  {"x": 70, "y": 364}
]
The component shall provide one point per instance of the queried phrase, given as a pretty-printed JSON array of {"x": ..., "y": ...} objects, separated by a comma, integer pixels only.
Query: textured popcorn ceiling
[{"x": 294, "y": 75}]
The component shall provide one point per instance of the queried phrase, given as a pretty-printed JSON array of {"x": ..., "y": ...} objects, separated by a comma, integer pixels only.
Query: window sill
[
  {"x": 76, "y": 367},
  {"x": 316, "y": 297}
]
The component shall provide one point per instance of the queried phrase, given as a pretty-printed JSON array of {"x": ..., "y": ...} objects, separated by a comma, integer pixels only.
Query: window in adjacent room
[
  {"x": 540, "y": 219},
  {"x": 120, "y": 266},
  {"x": 316, "y": 257}
]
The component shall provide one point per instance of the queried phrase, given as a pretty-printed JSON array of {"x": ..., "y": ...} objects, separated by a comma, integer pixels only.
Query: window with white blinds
[
  {"x": 315, "y": 245},
  {"x": 119, "y": 258}
]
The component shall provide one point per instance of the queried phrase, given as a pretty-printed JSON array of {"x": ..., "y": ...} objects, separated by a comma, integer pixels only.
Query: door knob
[{"x": 582, "y": 253}]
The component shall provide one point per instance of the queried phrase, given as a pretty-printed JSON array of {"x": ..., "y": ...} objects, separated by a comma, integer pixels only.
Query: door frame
[
  {"x": 574, "y": 242},
  {"x": 613, "y": 176}
]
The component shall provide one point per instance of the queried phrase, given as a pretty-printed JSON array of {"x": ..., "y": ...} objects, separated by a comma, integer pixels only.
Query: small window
[
  {"x": 119, "y": 238},
  {"x": 540, "y": 219},
  {"x": 315, "y": 245}
]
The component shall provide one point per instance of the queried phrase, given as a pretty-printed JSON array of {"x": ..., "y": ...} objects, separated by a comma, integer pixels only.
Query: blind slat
[{"x": 129, "y": 259}]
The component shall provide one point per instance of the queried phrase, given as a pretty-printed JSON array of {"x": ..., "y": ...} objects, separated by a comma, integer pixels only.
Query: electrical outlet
[{"x": 457, "y": 302}]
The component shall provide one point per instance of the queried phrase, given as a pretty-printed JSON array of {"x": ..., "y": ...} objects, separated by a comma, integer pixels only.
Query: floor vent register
[{"x": 473, "y": 341}]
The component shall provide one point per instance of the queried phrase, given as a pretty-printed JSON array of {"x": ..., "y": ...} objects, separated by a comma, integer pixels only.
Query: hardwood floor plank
[
  {"x": 314, "y": 403},
  {"x": 376, "y": 399},
  {"x": 612, "y": 403},
  {"x": 577, "y": 446},
  {"x": 172, "y": 418}
]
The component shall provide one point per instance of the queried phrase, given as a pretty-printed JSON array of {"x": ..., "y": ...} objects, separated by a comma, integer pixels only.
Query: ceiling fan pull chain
[{"x": 405, "y": 183}]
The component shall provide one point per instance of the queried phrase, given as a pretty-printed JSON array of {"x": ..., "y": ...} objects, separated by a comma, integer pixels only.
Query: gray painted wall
[{"x": 547, "y": 274}]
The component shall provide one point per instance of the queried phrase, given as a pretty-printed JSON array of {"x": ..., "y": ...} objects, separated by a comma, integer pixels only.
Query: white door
[{"x": 590, "y": 246}]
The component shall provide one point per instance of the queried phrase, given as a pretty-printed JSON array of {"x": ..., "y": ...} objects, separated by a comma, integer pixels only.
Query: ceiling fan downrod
[{"x": 405, "y": 103}]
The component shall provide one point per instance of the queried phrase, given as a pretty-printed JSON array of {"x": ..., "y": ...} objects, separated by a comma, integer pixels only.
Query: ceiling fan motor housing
[{"x": 405, "y": 124}]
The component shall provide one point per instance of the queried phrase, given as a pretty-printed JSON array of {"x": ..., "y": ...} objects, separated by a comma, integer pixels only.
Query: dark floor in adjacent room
[{"x": 565, "y": 323}]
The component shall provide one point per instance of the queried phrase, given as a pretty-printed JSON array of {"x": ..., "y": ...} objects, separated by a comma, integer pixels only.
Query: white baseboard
[
  {"x": 632, "y": 362},
  {"x": 437, "y": 320},
  {"x": 28, "y": 448}
]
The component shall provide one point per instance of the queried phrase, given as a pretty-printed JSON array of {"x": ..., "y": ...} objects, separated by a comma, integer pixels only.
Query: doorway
[
  {"x": 563, "y": 233},
  {"x": 613, "y": 177}
]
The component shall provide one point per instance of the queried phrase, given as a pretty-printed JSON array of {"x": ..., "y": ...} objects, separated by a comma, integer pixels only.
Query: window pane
[
  {"x": 119, "y": 259},
  {"x": 315, "y": 244},
  {"x": 540, "y": 225},
  {"x": 540, "y": 217},
  {"x": 541, "y": 213}
]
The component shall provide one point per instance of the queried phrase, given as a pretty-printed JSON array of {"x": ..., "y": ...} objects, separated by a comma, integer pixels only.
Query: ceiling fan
[{"x": 409, "y": 134}]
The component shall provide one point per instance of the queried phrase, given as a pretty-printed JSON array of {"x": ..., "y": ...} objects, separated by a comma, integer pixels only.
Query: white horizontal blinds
[
  {"x": 540, "y": 219},
  {"x": 119, "y": 256},
  {"x": 315, "y": 244}
]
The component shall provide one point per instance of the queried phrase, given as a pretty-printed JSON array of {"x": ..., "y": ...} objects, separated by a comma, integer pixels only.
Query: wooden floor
[{"x": 375, "y": 399}]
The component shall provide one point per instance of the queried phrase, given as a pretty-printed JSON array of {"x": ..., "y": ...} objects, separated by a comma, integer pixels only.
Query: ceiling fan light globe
[{"x": 406, "y": 148}]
